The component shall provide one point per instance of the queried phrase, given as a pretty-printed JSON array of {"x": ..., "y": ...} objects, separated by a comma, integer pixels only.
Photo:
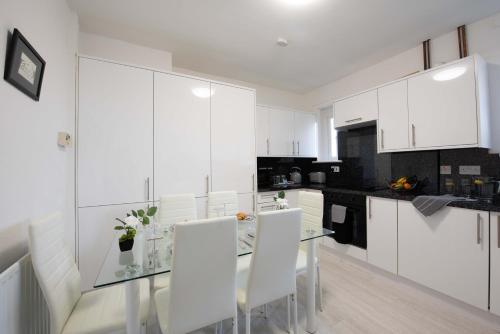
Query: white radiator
[{"x": 22, "y": 307}]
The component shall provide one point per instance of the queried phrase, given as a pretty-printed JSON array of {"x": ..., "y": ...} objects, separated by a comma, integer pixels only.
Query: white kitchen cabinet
[
  {"x": 447, "y": 252},
  {"x": 233, "y": 138},
  {"x": 281, "y": 140},
  {"x": 448, "y": 106},
  {"x": 202, "y": 207},
  {"x": 115, "y": 134},
  {"x": 495, "y": 263},
  {"x": 262, "y": 130},
  {"x": 305, "y": 134},
  {"x": 357, "y": 109},
  {"x": 182, "y": 129},
  {"x": 246, "y": 203},
  {"x": 382, "y": 233},
  {"x": 96, "y": 236},
  {"x": 392, "y": 122}
]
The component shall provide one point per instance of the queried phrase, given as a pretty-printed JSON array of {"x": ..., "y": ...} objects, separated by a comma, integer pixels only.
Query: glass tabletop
[{"x": 152, "y": 252}]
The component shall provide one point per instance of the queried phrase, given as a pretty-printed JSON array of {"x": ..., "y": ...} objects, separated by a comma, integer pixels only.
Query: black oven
[{"x": 353, "y": 230}]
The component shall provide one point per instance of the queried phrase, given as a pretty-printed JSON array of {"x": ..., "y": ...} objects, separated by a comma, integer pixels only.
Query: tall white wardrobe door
[
  {"x": 115, "y": 134},
  {"x": 233, "y": 138},
  {"x": 182, "y": 124}
]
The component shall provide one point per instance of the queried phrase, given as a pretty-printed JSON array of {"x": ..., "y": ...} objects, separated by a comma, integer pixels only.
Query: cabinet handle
[
  {"x": 293, "y": 147},
  {"x": 354, "y": 120},
  {"x": 382, "y": 138},
  {"x": 267, "y": 141},
  {"x": 298, "y": 147},
  {"x": 208, "y": 183},
  {"x": 253, "y": 182},
  {"x": 253, "y": 204},
  {"x": 498, "y": 231},
  {"x": 369, "y": 208},
  {"x": 413, "y": 134},
  {"x": 147, "y": 188},
  {"x": 478, "y": 228}
]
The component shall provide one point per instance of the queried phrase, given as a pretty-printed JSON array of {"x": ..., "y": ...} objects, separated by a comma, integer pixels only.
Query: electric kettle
[{"x": 295, "y": 175}]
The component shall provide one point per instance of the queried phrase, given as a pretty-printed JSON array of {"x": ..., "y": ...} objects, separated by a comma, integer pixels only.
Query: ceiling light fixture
[
  {"x": 297, "y": 3},
  {"x": 282, "y": 42},
  {"x": 449, "y": 74},
  {"x": 202, "y": 92}
]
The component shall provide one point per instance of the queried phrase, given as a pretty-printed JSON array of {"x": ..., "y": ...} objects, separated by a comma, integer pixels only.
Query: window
[{"x": 328, "y": 148}]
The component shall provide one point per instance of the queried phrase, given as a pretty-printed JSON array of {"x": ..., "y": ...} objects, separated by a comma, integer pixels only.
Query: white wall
[
  {"x": 124, "y": 52},
  {"x": 36, "y": 176},
  {"x": 483, "y": 38}
]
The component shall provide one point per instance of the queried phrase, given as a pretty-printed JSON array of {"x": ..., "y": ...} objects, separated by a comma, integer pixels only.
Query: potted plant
[
  {"x": 144, "y": 216},
  {"x": 281, "y": 202},
  {"x": 126, "y": 241}
]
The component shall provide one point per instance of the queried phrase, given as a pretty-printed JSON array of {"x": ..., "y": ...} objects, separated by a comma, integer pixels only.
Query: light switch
[
  {"x": 469, "y": 170},
  {"x": 63, "y": 139},
  {"x": 445, "y": 170}
]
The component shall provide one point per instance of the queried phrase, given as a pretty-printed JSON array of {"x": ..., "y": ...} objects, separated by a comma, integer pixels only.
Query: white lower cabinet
[
  {"x": 202, "y": 207},
  {"x": 96, "y": 235},
  {"x": 447, "y": 252},
  {"x": 382, "y": 233},
  {"x": 495, "y": 263}
]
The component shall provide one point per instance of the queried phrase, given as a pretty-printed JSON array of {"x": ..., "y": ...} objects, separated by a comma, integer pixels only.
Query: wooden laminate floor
[{"x": 359, "y": 300}]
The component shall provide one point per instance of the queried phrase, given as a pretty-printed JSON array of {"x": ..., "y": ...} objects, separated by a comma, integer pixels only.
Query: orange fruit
[{"x": 407, "y": 186}]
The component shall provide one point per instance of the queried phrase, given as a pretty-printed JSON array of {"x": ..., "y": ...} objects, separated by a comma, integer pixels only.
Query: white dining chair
[
  {"x": 222, "y": 203},
  {"x": 271, "y": 274},
  {"x": 99, "y": 311},
  {"x": 202, "y": 289},
  {"x": 312, "y": 213},
  {"x": 174, "y": 209}
]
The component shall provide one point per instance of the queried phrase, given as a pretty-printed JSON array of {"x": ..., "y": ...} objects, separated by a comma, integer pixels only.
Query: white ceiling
[{"x": 237, "y": 38}]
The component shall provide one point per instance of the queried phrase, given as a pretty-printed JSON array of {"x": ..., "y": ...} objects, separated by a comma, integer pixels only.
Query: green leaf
[
  {"x": 128, "y": 214},
  {"x": 152, "y": 211},
  {"x": 134, "y": 213},
  {"x": 118, "y": 228},
  {"x": 145, "y": 220},
  {"x": 140, "y": 212}
]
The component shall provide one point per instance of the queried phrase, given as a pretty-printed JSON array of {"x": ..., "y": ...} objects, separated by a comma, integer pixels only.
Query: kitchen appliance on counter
[
  {"x": 353, "y": 230},
  {"x": 295, "y": 175},
  {"x": 317, "y": 177}
]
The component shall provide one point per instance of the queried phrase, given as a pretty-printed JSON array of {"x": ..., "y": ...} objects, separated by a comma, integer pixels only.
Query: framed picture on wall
[{"x": 24, "y": 67}]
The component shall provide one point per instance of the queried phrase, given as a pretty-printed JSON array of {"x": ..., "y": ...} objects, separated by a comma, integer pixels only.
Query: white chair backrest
[
  {"x": 54, "y": 268},
  {"x": 220, "y": 200},
  {"x": 312, "y": 207},
  {"x": 176, "y": 209},
  {"x": 272, "y": 267},
  {"x": 203, "y": 277}
]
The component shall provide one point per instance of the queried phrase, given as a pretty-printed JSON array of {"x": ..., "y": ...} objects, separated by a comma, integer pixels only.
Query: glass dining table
[{"x": 152, "y": 255}]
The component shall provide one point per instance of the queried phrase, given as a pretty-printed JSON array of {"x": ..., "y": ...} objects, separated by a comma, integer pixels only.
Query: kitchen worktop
[{"x": 386, "y": 193}]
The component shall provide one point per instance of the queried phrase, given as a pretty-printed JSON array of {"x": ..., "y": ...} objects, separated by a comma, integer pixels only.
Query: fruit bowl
[{"x": 404, "y": 184}]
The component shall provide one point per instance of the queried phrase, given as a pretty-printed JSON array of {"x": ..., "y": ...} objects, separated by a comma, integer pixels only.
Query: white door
[
  {"x": 233, "y": 139},
  {"x": 393, "y": 117},
  {"x": 443, "y": 113},
  {"x": 96, "y": 236},
  {"x": 447, "y": 252},
  {"x": 281, "y": 141},
  {"x": 382, "y": 233},
  {"x": 305, "y": 133},
  {"x": 495, "y": 263},
  {"x": 182, "y": 128},
  {"x": 115, "y": 134},
  {"x": 356, "y": 109},
  {"x": 262, "y": 130}
]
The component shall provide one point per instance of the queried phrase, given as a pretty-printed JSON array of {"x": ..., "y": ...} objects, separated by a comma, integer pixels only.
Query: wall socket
[
  {"x": 469, "y": 170},
  {"x": 335, "y": 169},
  {"x": 445, "y": 170}
]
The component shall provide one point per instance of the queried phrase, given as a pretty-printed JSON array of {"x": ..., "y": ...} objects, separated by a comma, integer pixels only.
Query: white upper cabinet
[
  {"x": 182, "y": 128},
  {"x": 495, "y": 263},
  {"x": 305, "y": 133},
  {"x": 393, "y": 117},
  {"x": 448, "y": 251},
  {"x": 233, "y": 138},
  {"x": 448, "y": 106},
  {"x": 356, "y": 109},
  {"x": 281, "y": 141},
  {"x": 262, "y": 130},
  {"x": 382, "y": 233},
  {"x": 115, "y": 134}
]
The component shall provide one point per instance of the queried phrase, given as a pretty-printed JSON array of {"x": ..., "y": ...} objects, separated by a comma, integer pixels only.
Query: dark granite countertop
[{"x": 387, "y": 193}]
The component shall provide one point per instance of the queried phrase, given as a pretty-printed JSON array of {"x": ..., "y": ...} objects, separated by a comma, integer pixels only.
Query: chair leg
[
  {"x": 289, "y": 327},
  {"x": 265, "y": 311},
  {"x": 295, "y": 315},
  {"x": 216, "y": 331},
  {"x": 320, "y": 290},
  {"x": 235, "y": 324},
  {"x": 247, "y": 322},
  {"x": 221, "y": 328}
]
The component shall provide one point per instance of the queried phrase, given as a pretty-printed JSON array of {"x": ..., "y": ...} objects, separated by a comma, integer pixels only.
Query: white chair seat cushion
[
  {"x": 161, "y": 303},
  {"x": 103, "y": 310},
  {"x": 302, "y": 262},
  {"x": 161, "y": 281}
]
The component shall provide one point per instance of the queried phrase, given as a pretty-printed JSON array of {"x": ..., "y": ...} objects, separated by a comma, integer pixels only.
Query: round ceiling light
[
  {"x": 282, "y": 42},
  {"x": 297, "y": 3}
]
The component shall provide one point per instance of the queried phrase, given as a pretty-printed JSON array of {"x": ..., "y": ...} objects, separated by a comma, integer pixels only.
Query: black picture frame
[{"x": 24, "y": 67}]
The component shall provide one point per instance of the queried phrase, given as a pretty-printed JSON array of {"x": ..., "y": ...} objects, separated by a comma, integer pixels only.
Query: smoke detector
[{"x": 282, "y": 42}]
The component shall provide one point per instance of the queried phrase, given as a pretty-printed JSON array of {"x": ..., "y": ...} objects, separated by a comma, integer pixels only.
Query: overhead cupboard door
[
  {"x": 442, "y": 107},
  {"x": 356, "y": 109},
  {"x": 182, "y": 124},
  {"x": 281, "y": 141},
  {"x": 305, "y": 133},
  {"x": 233, "y": 138},
  {"x": 115, "y": 133}
]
